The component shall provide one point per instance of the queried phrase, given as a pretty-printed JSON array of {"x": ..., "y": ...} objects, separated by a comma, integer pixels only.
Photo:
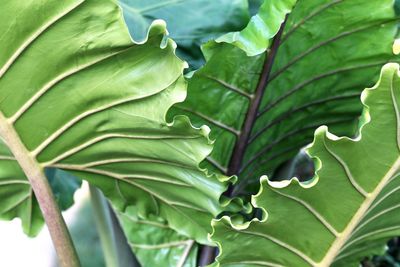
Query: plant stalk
[
  {"x": 207, "y": 256},
  {"x": 59, "y": 233},
  {"x": 62, "y": 241},
  {"x": 235, "y": 163},
  {"x": 240, "y": 148},
  {"x": 104, "y": 226}
]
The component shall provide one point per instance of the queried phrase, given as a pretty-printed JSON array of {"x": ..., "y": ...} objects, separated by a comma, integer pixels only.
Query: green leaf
[
  {"x": 323, "y": 58},
  {"x": 190, "y": 23},
  {"x": 255, "y": 38},
  {"x": 348, "y": 210},
  {"x": 86, "y": 238},
  {"x": 77, "y": 94},
  {"x": 155, "y": 244},
  {"x": 64, "y": 186},
  {"x": 397, "y": 6},
  {"x": 17, "y": 198},
  {"x": 254, "y": 6}
]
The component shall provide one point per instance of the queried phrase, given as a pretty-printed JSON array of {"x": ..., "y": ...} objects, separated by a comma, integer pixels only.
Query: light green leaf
[
  {"x": 263, "y": 26},
  {"x": 77, "y": 94},
  {"x": 190, "y": 23},
  {"x": 17, "y": 198},
  {"x": 324, "y": 57},
  {"x": 155, "y": 244},
  {"x": 349, "y": 209}
]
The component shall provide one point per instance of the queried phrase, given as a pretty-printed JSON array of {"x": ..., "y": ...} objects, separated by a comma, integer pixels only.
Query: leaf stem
[
  {"x": 235, "y": 163},
  {"x": 62, "y": 241},
  {"x": 104, "y": 227},
  {"x": 240, "y": 148},
  {"x": 59, "y": 233},
  {"x": 207, "y": 255}
]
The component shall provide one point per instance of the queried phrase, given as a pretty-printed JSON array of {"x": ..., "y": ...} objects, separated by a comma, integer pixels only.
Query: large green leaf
[
  {"x": 323, "y": 57},
  {"x": 155, "y": 244},
  {"x": 78, "y": 95},
  {"x": 190, "y": 23},
  {"x": 346, "y": 212}
]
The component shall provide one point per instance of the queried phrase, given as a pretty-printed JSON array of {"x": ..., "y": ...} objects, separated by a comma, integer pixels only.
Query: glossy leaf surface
[
  {"x": 77, "y": 94},
  {"x": 349, "y": 210},
  {"x": 263, "y": 26},
  {"x": 17, "y": 198},
  {"x": 324, "y": 57}
]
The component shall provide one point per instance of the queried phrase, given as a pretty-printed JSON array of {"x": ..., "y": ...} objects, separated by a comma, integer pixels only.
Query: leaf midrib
[
  {"x": 237, "y": 157},
  {"x": 26, "y": 160},
  {"x": 28, "y": 163},
  {"x": 233, "y": 169},
  {"x": 339, "y": 243}
]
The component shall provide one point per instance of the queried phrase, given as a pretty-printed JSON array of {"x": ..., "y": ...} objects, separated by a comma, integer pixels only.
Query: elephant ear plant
[
  {"x": 80, "y": 100},
  {"x": 77, "y": 94},
  {"x": 347, "y": 211}
]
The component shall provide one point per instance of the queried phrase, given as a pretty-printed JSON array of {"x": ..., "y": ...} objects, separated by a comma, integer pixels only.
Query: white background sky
[{"x": 17, "y": 250}]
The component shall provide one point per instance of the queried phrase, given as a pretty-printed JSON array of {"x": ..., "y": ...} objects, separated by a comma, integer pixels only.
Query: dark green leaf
[
  {"x": 325, "y": 56},
  {"x": 190, "y": 23}
]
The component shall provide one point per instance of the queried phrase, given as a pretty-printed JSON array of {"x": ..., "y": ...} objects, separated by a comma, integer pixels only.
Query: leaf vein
[
  {"x": 312, "y": 210},
  {"x": 348, "y": 173},
  {"x": 33, "y": 37}
]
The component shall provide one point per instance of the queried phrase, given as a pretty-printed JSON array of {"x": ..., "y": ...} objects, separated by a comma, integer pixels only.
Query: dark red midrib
[
  {"x": 207, "y": 254},
  {"x": 242, "y": 142}
]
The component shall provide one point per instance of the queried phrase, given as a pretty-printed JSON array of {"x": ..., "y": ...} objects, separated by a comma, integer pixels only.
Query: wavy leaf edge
[
  {"x": 159, "y": 27},
  {"x": 251, "y": 39},
  {"x": 323, "y": 130}
]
